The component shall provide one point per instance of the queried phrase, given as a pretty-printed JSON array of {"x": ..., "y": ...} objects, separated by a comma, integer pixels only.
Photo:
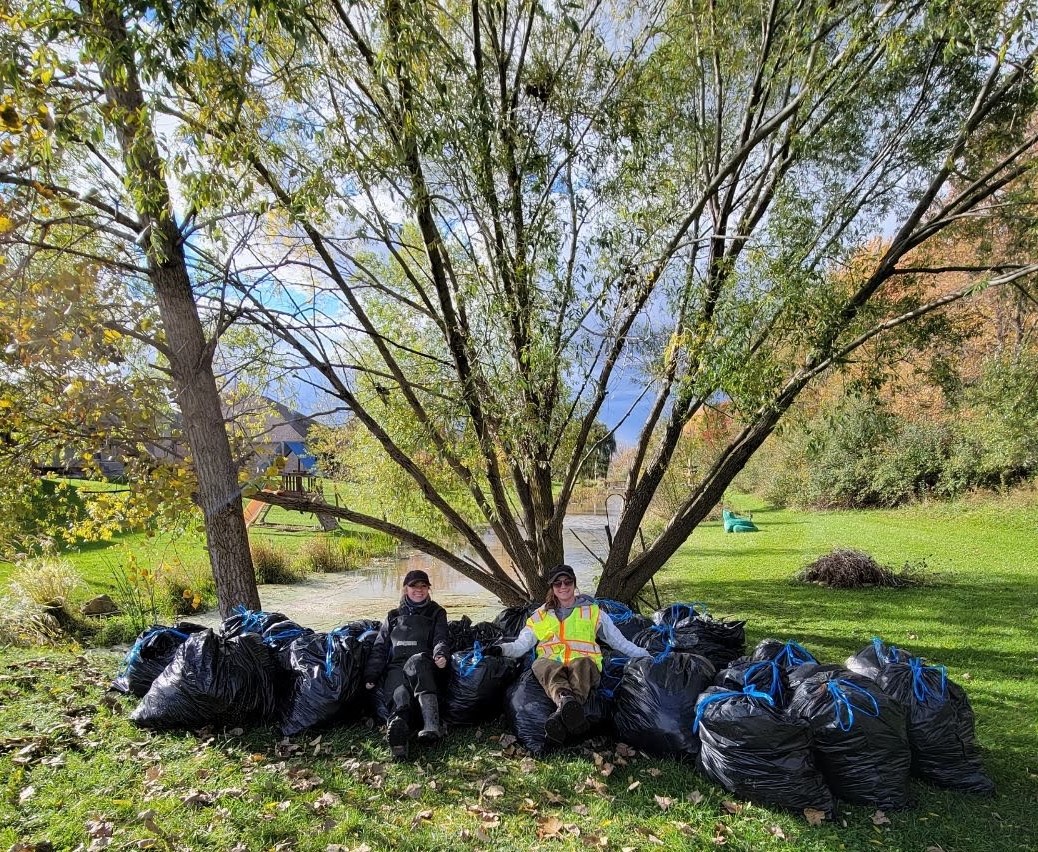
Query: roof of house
[{"x": 271, "y": 421}]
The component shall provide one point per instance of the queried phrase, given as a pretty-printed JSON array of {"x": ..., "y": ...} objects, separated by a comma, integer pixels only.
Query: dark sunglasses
[{"x": 560, "y": 583}]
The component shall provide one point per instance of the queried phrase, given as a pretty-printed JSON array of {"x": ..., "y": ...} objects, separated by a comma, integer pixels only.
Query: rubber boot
[
  {"x": 567, "y": 720},
  {"x": 571, "y": 712},
  {"x": 429, "y": 704},
  {"x": 398, "y": 734}
]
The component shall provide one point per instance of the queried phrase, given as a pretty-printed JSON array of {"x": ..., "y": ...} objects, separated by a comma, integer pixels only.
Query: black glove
[{"x": 492, "y": 651}]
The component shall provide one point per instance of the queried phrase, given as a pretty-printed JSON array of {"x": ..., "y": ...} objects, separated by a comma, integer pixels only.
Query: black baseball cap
[
  {"x": 416, "y": 576},
  {"x": 560, "y": 571}
]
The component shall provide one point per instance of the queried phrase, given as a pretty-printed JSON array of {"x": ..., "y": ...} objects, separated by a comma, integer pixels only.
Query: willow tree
[
  {"x": 476, "y": 223},
  {"x": 85, "y": 178}
]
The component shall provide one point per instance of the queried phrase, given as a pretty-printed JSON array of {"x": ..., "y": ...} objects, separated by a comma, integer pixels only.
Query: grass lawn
[{"x": 77, "y": 773}]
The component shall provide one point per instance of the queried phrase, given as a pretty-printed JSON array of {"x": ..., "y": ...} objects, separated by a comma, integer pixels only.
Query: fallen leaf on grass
[
  {"x": 695, "y": 797},
  {"x": 551, "y": 797},
  {"x": 550, "y": 827},
  {"x": 634, "y": 785},
  {"x": 648, "y": 835},
  {"x": 654, "y": 771},
  {"x": 625, "y": 750},
  {"x": 599, "y": 840},
  {"x": 418, "y": 817},
  {"x": 880, "y": 818},
  {"x": 413, "y": 791},
  {"x": 507, "y": 740},
  {"x": 325, "y": 801},
  {"x": 197, "y": 799},
  {"x": 26, "y": 794},
  {"x": 664, "y": 802},
  {"x": 814, "y": 816},
  {"x": 494, "y": 791},
  {"x": 99, "y": 828},
  {"x": 580, "y": 809},
  {"x": 776, "y": 832},
  {"x": 732, "y": 807},
  {"x": 934, "y": 849}
]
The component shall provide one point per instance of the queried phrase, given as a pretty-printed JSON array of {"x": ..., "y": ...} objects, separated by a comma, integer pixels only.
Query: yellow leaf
[{"x": 6, "y": 224}]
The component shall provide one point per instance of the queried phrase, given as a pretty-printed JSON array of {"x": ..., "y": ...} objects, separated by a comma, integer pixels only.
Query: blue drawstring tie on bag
[
  {"x": 843, "y": 693},
  {"x": 748, "y": 692},
  {"x": 921, "y": 689}
]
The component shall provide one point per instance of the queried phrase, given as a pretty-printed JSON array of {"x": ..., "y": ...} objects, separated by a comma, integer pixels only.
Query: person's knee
[{"x": 419, "y": 663}]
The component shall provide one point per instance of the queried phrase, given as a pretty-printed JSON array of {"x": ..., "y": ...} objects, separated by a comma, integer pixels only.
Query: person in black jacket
[{"x": 411, "y": 645}]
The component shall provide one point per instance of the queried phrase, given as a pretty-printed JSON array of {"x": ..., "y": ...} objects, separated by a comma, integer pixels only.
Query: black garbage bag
[
  {"x": 476, "y": 688},
  {"x": 685, "y": 629},
  {"x": 720, "y": 642},
  {"x": 360, "y": 627},
  {"x": 680, "y": 614},
  {"x": 280, "y": 635},
  {"x": 860, "y": 738},
  {"x": 613, "y": 666},
  {"x": 527, "y": 707},
  {"x": 788, "y": 654},
  {"x": 512, "y": 619},
  {"x": 801, "y": 673},
  {"x": 940, "y": 726},
  {"x": 152, "y": 651},
  {"x": 464, "y": 634},
  {"x": 213, "y": 680},
  {"x": 486, "y": 633},
  {"x": 874, "y": 656},
  {"x": 765, "y": 676},
  {"x": 244, "y": 620},
  {"x": 328, "y": 669},
  {"x": 655, "y": 704},
  {"x": 634, "y": 625},
  {"x": 460, "y": 632},
  {"x": 754, "y": 750}
]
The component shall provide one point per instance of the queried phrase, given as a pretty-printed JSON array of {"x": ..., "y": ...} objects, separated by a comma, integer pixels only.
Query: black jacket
[{"x": 408, "y": 630}]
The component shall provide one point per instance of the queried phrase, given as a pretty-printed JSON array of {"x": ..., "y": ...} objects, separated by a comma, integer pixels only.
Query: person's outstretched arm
[
  {"x": 608, "y": 633},
  {"x": 522, "y": 643}
]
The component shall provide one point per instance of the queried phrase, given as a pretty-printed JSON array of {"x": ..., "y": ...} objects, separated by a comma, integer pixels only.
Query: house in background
[{"x": 265, "y": 431}]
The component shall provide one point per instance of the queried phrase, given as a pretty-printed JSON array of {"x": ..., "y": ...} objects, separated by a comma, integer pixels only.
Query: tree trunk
[
  {"x": 219, "y": 496},
  {"x": 190, "y": 354}
]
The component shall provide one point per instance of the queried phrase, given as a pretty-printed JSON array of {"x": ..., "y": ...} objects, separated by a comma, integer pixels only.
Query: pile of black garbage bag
[{"x": 777, "y": 726}]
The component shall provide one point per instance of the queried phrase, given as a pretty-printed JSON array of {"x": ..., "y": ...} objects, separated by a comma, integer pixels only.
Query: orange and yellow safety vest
[{"x": 566, "y": 640}]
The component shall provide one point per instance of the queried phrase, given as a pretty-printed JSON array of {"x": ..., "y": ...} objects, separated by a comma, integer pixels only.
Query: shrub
[
  {"x": 116, "y": 630},
  {"x": 852, "y": 569},
  {"x": 45, "y": 581},
  {"x": 272, "y": 564},
  {"x": 189, "y": 589},
  {"x": 137, "y": 592}
]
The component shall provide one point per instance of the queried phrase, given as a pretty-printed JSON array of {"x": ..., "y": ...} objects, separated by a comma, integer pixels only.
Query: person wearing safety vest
[{"x": 566, "y": 632}]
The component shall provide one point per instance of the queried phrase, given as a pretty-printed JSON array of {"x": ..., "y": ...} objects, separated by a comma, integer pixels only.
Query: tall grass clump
[
  {"x": 24, "y": 624},
  {"x": 272, "y": 564},
  {"x": 325, "y": 555},
  {"x": 46, "y": 581}
]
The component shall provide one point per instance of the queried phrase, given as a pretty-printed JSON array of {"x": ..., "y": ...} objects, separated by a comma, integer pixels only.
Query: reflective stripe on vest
[{"x": 569, "y": 639}]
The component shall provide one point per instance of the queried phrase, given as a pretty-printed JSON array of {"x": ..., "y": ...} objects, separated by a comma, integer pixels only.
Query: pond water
[{"x": 328, "y": 600}]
